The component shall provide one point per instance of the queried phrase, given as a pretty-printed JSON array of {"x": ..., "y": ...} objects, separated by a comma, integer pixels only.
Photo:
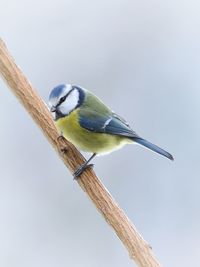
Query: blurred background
[{"x": 142, "y": 59}]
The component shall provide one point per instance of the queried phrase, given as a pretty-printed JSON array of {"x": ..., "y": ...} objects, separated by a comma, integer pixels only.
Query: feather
[
  {"x": 109, "y": 124},
  {"x": 152, "y": 147}
]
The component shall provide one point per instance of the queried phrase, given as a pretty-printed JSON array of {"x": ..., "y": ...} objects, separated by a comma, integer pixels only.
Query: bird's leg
[{"x": 83, "y": 167}]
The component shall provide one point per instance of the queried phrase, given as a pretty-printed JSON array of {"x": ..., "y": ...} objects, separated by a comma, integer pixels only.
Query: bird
[{"x": 84, "y": 120}]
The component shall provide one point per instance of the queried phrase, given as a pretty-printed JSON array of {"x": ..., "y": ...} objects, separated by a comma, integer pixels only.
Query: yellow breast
[{"x": 87, "y": 140}]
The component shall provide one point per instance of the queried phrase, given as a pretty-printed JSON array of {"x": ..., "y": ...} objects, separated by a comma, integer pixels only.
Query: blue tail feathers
[{"x": 152, "y": 147}]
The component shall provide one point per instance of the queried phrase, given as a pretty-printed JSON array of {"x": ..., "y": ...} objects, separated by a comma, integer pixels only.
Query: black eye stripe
[{"x": 64, "y": 98}]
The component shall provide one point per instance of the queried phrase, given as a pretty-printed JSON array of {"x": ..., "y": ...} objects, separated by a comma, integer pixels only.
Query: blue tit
[{"x": 90, "y": 125}]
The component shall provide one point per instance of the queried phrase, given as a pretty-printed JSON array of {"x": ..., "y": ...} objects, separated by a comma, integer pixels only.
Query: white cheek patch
[{"x": 70, "y": 103}]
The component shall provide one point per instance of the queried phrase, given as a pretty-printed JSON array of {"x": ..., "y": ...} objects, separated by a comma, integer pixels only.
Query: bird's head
[{"x": 65, "y": 98}]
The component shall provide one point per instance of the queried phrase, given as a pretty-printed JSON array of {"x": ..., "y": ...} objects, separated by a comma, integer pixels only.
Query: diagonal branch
[{"x": 137, "y": 247}]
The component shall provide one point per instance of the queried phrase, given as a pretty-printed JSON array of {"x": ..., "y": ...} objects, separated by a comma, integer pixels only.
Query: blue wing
[
  {"x": 113, "y": 124},
  {"x": 110, "y": 124}
]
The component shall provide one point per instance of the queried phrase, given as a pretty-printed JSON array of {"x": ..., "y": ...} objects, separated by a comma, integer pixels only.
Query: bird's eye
[{"x": 63, "y": 99}]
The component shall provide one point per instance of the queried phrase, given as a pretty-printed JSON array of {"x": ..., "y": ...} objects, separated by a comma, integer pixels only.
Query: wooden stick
[{"x": 137, "y": 247}]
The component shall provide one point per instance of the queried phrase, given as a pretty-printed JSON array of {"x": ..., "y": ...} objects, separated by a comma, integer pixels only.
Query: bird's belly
[{"x": 86, "y": 140}]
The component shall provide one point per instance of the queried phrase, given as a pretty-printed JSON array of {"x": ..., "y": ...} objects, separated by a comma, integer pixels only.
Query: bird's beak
[{"x": 53, "y": 109}]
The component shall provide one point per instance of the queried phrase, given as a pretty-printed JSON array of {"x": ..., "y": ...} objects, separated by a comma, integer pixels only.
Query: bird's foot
[
  {"x": 81, "y": 169},
  {"x": 64, "y": 150},
  {"x": 61, "y": 139}
]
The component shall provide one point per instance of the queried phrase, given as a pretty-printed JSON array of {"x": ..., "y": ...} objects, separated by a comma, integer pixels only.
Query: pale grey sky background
[{"x": 142, "y": 58}]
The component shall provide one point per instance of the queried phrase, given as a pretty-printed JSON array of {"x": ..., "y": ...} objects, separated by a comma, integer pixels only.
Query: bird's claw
[
  {"x": 61, "y": 138},
  {"x": 81, "y": 169},
  {"x": 64, "y": 150}
]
